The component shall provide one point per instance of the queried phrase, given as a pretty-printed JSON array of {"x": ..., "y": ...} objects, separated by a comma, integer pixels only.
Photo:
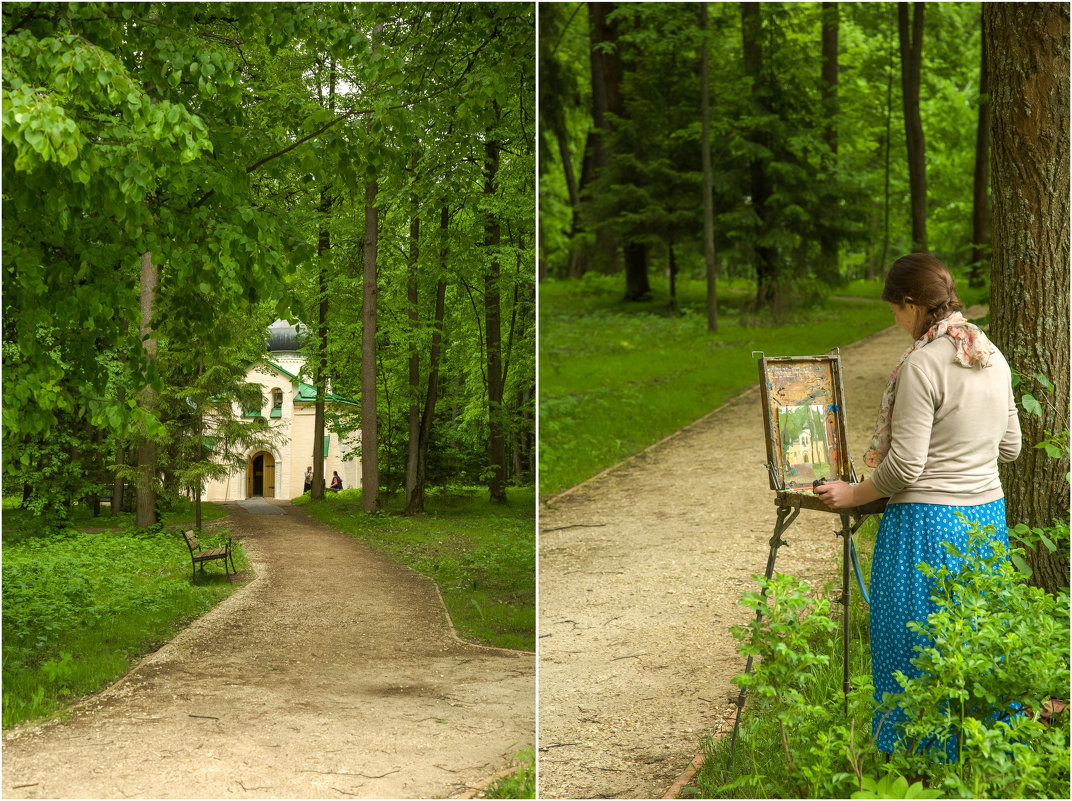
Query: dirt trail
[
  {"x": 641, "y": 570},
  {"x": 334, "y": 674}
]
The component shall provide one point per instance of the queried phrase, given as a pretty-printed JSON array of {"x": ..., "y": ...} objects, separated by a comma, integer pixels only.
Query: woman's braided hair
[{"x": 922, "y": 279}]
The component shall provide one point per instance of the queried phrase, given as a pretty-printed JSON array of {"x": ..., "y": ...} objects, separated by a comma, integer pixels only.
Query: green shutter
[{"x": 327, "y": 439}]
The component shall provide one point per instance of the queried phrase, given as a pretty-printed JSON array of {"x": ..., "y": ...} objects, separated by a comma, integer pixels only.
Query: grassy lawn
[
  {"x": 616, "y": 377},
  {"x": 79, "y": 609},
  {"x": 482, "y": 556}
]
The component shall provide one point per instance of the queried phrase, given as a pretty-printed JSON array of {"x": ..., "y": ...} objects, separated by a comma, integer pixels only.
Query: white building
[{"x": 289, "y": 408}]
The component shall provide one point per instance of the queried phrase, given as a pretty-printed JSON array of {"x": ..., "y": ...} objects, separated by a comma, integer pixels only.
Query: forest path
[
  {"x": 335, "y": 674},
  {"x": 641, "y": 571}
]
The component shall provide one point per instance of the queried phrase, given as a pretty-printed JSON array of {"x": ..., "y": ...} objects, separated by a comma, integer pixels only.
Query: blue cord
[{"x": 856, "y": 568}]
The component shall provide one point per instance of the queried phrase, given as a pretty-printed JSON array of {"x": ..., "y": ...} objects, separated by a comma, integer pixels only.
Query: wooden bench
[{"x": 200, "y": 556}]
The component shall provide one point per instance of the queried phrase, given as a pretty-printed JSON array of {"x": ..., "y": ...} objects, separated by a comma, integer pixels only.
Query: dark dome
[{"x": 284, "y": 337}]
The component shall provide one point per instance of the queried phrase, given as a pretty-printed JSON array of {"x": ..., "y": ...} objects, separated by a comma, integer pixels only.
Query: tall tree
[
  {"x": 760, "y": 182},
  {"x": 145, "y": 514},
  {"x": 370, "y": 459},
  {"x": 910, "y": 35},
  {"x": 828, "y": 239},
  {"x": 1027, "y": 49},
  {"x": 980, "y": 254},
  {"x": 708, "y": 177},
  {"x": 606, "y": 71}
]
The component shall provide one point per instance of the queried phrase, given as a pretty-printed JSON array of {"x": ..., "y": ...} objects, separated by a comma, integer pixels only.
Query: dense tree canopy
[
  {"x": 234, "y": 145},
  {"x": 798, "y": 163}
]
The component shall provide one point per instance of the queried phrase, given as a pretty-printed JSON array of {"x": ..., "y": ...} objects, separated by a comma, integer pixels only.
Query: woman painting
[{"x": 947, "y": 418}]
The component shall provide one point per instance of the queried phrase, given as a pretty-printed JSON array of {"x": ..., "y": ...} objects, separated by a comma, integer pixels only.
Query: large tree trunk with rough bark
[
  {"x": 145, "y": 512},
  {"x": 911, "y": 38},
  {"x": 1027, "y": 48},
  {"x": 323, "y": 245}
]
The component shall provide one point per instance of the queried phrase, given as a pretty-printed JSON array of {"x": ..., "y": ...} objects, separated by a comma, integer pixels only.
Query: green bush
[{"x": 999, "y": 649}]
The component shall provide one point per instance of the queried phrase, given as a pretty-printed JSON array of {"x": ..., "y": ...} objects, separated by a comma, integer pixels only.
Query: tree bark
[
  {"x": 1027, "y": 48},
  {"x": 606, "y": 67},
  {"x": 766, "y": 263},
  {"x": 145, "y": 513},
  {"x": 370, "y": 460},
  {"x": 911, "y": 65},
  {"x": 708, "y": 178},
  {"x": 980, "y": 190},
  {"x": 493, "y": 334},
  {"x": 323, "y": 245},
  {"x": 413, "y": 506},
  {"x": 415, "y": 492},
  {"x": 828, "y": 269}
]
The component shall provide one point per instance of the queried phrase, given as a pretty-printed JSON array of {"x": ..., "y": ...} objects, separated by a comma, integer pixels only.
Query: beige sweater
[{"x": 951, "y": 426}]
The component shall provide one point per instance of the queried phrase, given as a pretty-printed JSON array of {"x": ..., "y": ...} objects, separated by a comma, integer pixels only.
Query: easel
[{"x": 790, "y": 500}]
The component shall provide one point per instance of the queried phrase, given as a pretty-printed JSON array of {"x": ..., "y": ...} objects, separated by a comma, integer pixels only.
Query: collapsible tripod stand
[
  {"x": 789, "y": 506},
  {"x": 804, "y": 418}
]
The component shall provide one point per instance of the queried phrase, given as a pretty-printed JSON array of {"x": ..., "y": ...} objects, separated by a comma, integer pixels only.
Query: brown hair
[{"x": 922, "y": 279}]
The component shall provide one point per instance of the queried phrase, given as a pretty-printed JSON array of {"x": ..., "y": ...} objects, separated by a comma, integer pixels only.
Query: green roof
[{"x": 307, "y": 394}]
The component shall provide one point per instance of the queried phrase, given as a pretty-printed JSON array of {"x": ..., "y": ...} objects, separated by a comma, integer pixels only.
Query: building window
[
  {"x": 327, "y": 439},
  {"x": 277, "y": 403}
]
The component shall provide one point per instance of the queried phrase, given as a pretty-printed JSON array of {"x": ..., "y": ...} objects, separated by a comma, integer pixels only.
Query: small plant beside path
[{"x": 481, "y": 555}]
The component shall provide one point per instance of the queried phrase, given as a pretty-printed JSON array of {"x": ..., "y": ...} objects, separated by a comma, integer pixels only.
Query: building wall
[{"x": 292, "y": 448}]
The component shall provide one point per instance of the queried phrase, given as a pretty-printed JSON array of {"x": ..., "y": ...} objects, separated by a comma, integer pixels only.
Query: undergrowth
[
  {"x": 80, "y": 608},
  {"x": 519, "y": 784},
  {"x": 1000, "y": 648},
  {"x": 481, "y": 555}
]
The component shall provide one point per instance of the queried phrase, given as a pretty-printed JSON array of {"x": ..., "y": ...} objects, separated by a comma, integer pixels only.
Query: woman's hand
[{"x": 837, "y": 495}]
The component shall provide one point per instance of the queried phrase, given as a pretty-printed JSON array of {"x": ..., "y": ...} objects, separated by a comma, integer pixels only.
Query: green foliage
[
  {"x": 606, "y": 366},
  {"x": 519, "y": 784},
  {"x": 481, "y": 555},
  {"x": 80, "y": 608},
  {"x": 999, "y": 649},
  {"x": 997, "y": 645}
]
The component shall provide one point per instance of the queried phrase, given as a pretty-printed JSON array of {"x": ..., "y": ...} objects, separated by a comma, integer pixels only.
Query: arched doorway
[{"x": 260, "y": 475}]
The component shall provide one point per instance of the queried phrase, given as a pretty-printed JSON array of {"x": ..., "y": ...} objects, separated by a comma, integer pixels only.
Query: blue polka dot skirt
[{"x": 911, "y": 533}]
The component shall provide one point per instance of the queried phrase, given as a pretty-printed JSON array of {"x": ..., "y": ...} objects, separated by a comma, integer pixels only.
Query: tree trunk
[
  {"x": 145, "y": 514},
  {"x": 415, "y": 493},
  {"x": 911, "y": 64},
  {"x": 493, "y": 334},
  {"x": 887, "y": 145},
  {"x": 1027, "y": 48},
  {"x": 323, "y": 245},
  {"x": 370, "y": 460},
  {"x": 828, "y": 269},
  {"x": 708, "y": 178},
  {"x": 413, "y": 506},
  {"x": 766, "y": 257},
  {"x": 606, "y": 67},
  {"x": 673, "y": 275},
  {"x": 117, "y": 482},
  {"x": 637, "y": 286},
  {"x": 980, "y": 190}
]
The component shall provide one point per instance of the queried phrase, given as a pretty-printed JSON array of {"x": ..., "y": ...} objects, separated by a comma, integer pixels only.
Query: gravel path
[
  {"x": 335, "y": 674},
  {"x": 641, "y": 570}
]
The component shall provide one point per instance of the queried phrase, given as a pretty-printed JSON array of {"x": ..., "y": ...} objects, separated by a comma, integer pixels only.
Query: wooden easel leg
[{"x": 786, "y": 515}]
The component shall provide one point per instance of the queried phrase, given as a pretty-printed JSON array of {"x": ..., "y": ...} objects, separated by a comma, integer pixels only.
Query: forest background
[
  {"x": 177, "y": 176},
  {"x": 717, "y": 179}
]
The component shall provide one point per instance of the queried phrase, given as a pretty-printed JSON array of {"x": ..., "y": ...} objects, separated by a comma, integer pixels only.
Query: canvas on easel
[{"x": 804, "y": 418}]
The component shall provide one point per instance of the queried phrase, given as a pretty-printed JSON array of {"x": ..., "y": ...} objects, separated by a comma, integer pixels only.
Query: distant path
[
  {"x": 334, "y": 674},
  {"x": 641, "y": 570}
]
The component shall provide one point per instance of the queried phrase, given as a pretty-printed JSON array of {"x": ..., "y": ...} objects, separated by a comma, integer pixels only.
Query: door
[{"x": 260, "y": 481}]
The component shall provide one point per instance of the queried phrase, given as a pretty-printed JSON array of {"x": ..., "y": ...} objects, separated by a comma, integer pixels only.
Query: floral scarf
[{"x": 973, "y": 350}]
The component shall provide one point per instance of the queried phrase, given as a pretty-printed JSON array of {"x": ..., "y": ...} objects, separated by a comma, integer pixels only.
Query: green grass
[
  {"x": 81, "y": 608},
  {"x": 759, "y": 769},
  {"x": 481, "y": 555},
  {"x": 519, "y": 784},
  {"x": 180, "y": 514},
  {"x": 616, "y": 377}
]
